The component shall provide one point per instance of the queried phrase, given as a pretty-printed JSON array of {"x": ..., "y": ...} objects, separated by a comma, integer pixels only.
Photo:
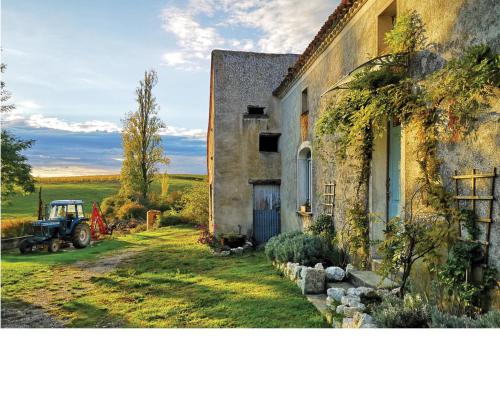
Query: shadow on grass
[
  {"x": 66, "y": 256},
  {"x": 21, "y": 314}
]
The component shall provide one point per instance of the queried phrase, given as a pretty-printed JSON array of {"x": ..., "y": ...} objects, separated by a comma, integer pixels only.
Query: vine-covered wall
[{"x": 451, "y": 27}]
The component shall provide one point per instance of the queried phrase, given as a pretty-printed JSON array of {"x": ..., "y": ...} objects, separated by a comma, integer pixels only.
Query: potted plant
[{"x": 306, "y": 207}]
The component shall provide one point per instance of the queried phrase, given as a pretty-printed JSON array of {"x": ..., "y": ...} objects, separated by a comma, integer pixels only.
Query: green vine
[{"x": 443, "y": 106}]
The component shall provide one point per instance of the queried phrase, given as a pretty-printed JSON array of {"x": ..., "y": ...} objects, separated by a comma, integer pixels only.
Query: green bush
[
  {"x": 410, "y": 312},
  {"x": 110, "y": 205},
  {"x": 195, "y": 204},
  {"x": 445, "y": 320},
  {"x": 324, "y": 225},
  {"x": 170, "y": 217},
  {"x": 131, "y": 210},
  {"x": 301, "y": 248}
]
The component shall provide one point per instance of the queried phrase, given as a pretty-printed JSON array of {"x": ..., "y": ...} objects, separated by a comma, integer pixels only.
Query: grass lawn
[
  {"x": 167, "y": 280},
  {"x": 27, "y": 206}
]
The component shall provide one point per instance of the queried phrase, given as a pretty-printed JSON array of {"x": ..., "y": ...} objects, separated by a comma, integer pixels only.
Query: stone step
[
  {"x": 344, "y": 285},
  {"x": 370, "y": 279},
  {"x": 319, "y": 301}
]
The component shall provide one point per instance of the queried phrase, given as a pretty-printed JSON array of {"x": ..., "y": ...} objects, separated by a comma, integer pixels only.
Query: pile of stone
[
  {"x": 311, "y": 280},
  {"x": 353, "y": 304},
  {"x": 236, "y": 251}
]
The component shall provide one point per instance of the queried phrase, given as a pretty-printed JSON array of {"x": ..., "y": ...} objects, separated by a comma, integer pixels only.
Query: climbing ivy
[{"x": 442, "y": 106}]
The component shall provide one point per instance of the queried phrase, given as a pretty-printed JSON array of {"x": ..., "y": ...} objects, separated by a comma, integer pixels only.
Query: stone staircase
[{"x": 356, "y": 278}]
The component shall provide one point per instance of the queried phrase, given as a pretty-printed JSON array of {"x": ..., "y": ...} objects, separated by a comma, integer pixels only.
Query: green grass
[
  {"x": 171, "y": 281},
  {"x": 27, "y": 206}
]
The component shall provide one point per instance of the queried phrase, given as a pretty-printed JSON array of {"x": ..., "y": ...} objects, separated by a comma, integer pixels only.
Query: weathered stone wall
[
  {"x": 241, "y": 79},
  {"x": 451, "y": 27}
]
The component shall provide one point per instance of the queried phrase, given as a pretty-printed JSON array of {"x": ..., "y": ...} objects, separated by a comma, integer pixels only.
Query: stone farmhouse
[{"x": 266, "y": 173}]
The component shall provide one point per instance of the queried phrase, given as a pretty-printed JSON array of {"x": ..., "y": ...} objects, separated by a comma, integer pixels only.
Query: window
[
  {"x": 386, "y": 22},
  {"x": 255, "y": 110},
  {"x": 304, "y": 178},
  {"x": 268, "y": 142},
  {"x": 304, "y": 116},
  {"x": 305, "y": 102}
]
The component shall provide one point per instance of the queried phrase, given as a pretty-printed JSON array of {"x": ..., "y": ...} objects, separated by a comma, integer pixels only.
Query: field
[
  {"x": 156, "y": 279},
  {"x": 88, "y": 189}
]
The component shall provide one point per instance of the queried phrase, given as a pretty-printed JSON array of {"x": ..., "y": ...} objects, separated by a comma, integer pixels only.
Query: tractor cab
[{"x": 67, "y": 210}]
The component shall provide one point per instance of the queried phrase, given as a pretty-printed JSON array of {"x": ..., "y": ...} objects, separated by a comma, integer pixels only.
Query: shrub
[
  {"x": 174, "y": 200},
  {"x": 170, "y": 217},
  {"x": 139, "y": 228},
  {"x": 131, "y": 210},
  {"x": 301, "y": 248},
  {"x": 324, "y": 225},
  {"x": 16, "y": 227},
  {"x": 462, "y": 293},
  {"x": 195, "y": 204},
  {"x": 110, "y": 205},
  {"x": 409, "y": 312},
  {"x": 444, "y": 320}
]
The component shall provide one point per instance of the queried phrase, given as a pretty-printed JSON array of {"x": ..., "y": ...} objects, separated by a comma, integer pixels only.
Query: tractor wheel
[
  {"x": 81, "y": 236},
  {"x": 54, "y": 246},
  {"x": 25, "y": 247}
]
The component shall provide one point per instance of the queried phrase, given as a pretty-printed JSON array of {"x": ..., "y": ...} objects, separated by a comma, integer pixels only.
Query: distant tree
[
  {"x": 16, "y": 172},
  {"x": 142, "y": 146}
]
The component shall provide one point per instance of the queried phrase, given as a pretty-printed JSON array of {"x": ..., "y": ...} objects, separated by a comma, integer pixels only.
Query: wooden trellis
[
  {"x": 329, "y": 198},
  {"x": 473, "y": 198}
]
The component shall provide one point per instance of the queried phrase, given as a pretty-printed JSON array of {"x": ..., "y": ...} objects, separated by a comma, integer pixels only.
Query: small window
[
  {"x": 268, "y": 142},
  {"x": 255, "y": 110},
  {"x": 386, "y": 22},
  {"x": 305, "y": 102}
]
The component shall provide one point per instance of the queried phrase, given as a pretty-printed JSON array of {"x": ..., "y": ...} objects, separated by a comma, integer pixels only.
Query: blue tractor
[{"x": 65, "y": 223}]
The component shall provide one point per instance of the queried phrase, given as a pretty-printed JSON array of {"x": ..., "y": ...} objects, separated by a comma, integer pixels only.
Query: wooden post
[{"x": 40, "y": 205}]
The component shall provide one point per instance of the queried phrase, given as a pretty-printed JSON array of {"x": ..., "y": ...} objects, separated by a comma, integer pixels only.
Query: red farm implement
[{"x": 98, "y": 224}]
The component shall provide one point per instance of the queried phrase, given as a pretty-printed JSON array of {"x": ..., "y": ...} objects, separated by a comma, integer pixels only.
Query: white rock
[
  {"x": 362, "y": 290},
  {"x": 248, "y": 244},
  {"x": 350, "y": 301},
  {"x": 395, "y": 291},
  {"x": 319, "y": 266},
  {"x": 237, "y": 251},
  {"x": 362, "y": 320},
  {"x": 330, "y": 302},
  {"x": 303, "y": 271},
  {"x": 336, "y": 293},
  {"x": 355, "y": 309},
  {"x": 347, "y": 323},
  {"x": 340, "y": 309},
  {"x": 295, "y": 271},
  {"x": 313, "y": 281},
  {"x": 335, "y": 274},
  {"x": 224, "y": 253},
  {"x": 348, "y": 269}
]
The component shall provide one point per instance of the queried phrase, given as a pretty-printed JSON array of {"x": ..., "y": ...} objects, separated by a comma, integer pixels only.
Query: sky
[{"x": 73, "y": 66}]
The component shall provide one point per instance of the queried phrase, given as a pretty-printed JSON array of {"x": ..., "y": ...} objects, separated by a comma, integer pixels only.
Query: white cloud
[
  {"x": 39, "y": 121},
  {"x": 194, "y": 40},
  {"x": 276, "y": 26},
  {"x": 194, "y": 134}
]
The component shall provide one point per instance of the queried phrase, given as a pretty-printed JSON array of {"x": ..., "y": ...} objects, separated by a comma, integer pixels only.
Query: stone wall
[{"x": 451, "y": 27}]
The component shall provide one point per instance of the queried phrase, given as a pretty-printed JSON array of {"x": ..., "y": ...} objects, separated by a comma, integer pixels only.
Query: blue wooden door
[
  {"x": 266, "y": 212},
  {"x": 394, "y": 171}
]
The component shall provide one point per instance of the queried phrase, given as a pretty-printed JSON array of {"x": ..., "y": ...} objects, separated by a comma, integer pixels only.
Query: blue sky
[{"x": 72, "y": 67}]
